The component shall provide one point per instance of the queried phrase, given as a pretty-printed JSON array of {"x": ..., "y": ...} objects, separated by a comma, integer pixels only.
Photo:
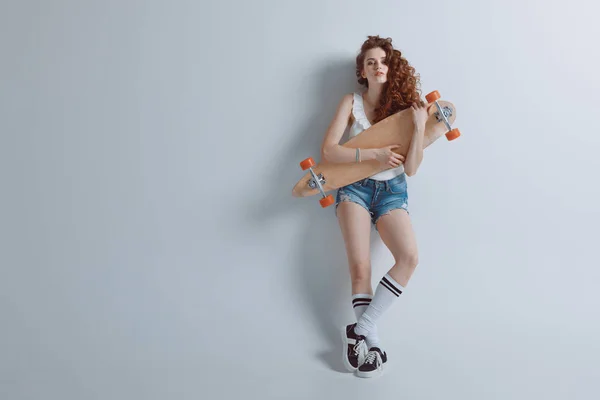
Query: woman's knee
[{"x": 409, "y": 259}]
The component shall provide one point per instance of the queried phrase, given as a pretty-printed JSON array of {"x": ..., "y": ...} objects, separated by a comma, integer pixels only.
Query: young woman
[{"x": 391, "y": 85}]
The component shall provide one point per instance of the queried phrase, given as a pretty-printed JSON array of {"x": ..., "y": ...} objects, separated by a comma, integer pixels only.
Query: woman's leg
[
  {"x": 397, "y": 234},
  {"x": 355, "y": 224}
]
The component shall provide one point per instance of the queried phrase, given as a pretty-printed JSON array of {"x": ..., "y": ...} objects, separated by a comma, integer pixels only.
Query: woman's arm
[
  {"x": 331, "y": 150},
  {"x": 414, "y": 156}
]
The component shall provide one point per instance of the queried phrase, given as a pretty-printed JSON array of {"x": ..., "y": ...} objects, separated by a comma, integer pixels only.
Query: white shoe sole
[{"x": 347, "y": 364}]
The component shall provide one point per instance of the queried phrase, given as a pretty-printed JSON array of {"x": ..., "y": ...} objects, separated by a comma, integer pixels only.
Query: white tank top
[{"x": 361, "y": 123}]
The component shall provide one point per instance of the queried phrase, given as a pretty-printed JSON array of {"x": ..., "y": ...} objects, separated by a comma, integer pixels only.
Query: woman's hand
[
  {"x": 387, "y": 157},
  {"x": 419, "y": 115}
]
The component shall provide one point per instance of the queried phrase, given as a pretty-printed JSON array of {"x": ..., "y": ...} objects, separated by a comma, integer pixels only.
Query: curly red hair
[{"x": 402, "y": 87}]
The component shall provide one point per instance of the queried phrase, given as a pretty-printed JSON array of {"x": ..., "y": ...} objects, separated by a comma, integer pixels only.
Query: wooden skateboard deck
[{"x": 396, "y": 129}]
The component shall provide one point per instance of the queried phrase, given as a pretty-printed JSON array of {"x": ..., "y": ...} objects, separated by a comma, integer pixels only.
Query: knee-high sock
[
  {"x": 360, "y": 302},
  {"x": 387, "y": 292}
]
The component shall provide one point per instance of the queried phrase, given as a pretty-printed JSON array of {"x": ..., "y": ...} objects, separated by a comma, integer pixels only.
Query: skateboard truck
[
  {"x": 317, "y": 181},
  {"x": 443, "y": 114}
]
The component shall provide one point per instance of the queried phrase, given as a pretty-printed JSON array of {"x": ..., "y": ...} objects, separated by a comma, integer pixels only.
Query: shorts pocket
[{"x": 397, "y": 188}]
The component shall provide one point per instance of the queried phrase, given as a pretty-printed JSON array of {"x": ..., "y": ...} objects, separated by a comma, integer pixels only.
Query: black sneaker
[
  {"x": 373, "y": 365},
  {"x": 355, "y": 348}
]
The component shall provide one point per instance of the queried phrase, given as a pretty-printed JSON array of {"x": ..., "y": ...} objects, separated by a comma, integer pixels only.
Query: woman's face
[{"x": 374, "y": 68}]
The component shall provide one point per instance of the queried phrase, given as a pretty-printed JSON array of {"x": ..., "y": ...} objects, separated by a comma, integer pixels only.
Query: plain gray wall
[{"x": 151, "y": 248}]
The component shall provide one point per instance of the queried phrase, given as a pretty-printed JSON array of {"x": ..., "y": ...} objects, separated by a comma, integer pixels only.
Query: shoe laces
[
  {"x": 360, "y": 347},
  {"x": 371, "y": 357}
]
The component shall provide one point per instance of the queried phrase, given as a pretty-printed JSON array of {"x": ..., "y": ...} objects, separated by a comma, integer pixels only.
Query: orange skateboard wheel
[
  {"x": 306, "y": 164},
  {"x": 433, "y": 96},
  {"x": 453, "y": 134},
  {"x": 327, "y": 201}
]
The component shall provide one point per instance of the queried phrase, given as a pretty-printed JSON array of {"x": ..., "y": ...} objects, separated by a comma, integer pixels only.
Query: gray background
[{"x": 151, "y": 248}]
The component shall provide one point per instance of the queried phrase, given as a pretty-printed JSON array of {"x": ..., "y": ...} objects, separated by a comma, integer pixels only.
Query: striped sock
[
  {"x": 387, "y": 292},
  {"x": 360, "y": 302}
]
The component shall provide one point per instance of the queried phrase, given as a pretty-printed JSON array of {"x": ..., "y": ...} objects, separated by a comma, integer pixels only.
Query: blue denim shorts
[{"x": 377, "y": 197}]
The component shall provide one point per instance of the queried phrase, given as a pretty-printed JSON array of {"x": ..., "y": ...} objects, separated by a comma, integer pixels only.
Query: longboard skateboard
[{"x": 397, "y": 129}]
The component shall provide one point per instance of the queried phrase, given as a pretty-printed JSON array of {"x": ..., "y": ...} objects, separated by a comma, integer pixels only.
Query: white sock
[
  {"x": 387, "y": 292},
  {"x": 360, "y": 302}
]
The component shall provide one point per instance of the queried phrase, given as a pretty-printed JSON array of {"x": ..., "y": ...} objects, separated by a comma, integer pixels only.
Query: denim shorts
[{"x": 377, "y": 197}]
